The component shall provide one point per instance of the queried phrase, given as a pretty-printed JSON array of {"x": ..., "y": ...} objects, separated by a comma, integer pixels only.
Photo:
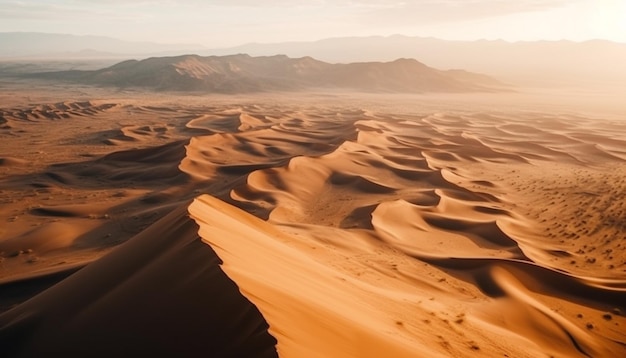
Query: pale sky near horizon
[{"x": 220, "y": 23}]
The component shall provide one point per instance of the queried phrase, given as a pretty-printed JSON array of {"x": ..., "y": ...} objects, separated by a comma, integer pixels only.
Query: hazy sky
[{"x": 216, "y": 23}]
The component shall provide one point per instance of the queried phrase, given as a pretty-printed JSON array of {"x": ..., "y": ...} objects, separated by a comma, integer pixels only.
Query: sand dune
[
  {"x": 164, "y": 266},
  {"x": 348, "y": 228}
]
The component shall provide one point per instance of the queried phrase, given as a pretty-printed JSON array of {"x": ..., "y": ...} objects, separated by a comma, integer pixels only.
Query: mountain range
[
  {"x": 243, "y": 73},
  {"x": 553, "y": 63},
  {"x": 524, "y": 63},
  {"x": 35, "y": 45}
]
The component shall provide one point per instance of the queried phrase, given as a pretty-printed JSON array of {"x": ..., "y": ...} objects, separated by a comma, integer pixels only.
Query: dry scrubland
[{"x": 356, "y": 225}]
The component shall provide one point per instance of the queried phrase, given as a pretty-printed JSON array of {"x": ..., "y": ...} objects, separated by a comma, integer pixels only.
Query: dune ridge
[
  {"x": 355, "y": 231},
  {"x": 428, "y": 212},
  {"x": 115, "y": 304}
]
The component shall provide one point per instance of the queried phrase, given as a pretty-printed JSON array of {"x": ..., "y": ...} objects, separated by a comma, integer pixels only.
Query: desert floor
[{"x": 365, "y": 225}]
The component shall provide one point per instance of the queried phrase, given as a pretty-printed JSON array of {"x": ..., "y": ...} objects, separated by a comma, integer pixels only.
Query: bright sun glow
[{"x": 610, "y": 20}]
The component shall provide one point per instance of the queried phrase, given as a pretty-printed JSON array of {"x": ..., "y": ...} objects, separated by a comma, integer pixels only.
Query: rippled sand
[{"x": 350, "y": 226}]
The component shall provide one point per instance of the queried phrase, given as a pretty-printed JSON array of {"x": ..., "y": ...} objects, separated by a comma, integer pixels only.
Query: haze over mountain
[
  {"x": 45, "y": 45},
  {"x": 552, "y": 63},
  {"x": 532, "y": 62},
  {"x": 243, "y": 73}
]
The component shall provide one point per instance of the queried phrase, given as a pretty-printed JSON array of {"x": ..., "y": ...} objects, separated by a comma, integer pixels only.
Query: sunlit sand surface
[{"x": 336, "y": 225}]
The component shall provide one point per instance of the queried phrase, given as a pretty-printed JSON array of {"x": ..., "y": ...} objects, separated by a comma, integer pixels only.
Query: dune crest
[
  {"x": 317, "y": 316},
  {"x": 115, "y": 306}
]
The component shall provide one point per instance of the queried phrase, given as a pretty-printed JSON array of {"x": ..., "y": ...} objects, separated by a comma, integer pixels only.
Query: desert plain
[{"x": 311, "y": 224}]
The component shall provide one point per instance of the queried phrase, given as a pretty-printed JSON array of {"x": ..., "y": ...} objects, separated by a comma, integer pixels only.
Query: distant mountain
[
  {"x": 533, "y": 62},
  {"x": 43, "y": 45},
  {"x": 243, "y": 73},
  {"x": 551, "y": 63}
]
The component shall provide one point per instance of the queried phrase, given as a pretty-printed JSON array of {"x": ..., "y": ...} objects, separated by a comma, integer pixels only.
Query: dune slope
[{"x": 160, "y": 294}]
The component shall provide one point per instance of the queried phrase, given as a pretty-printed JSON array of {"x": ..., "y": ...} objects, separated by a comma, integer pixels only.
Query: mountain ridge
[
  {"x": 57, "y": 45},
  {"x": 544, "y": 63},
  {"x": 245, "y": 73},
  {"x": 560, "y": 62}
]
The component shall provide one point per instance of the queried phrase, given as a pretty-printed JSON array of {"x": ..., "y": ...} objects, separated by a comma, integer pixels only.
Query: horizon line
[{"x": 207, "y": 47}]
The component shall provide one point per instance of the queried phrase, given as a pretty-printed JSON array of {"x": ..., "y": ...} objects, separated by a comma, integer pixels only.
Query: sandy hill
[{"x": 243, "y": 73}]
